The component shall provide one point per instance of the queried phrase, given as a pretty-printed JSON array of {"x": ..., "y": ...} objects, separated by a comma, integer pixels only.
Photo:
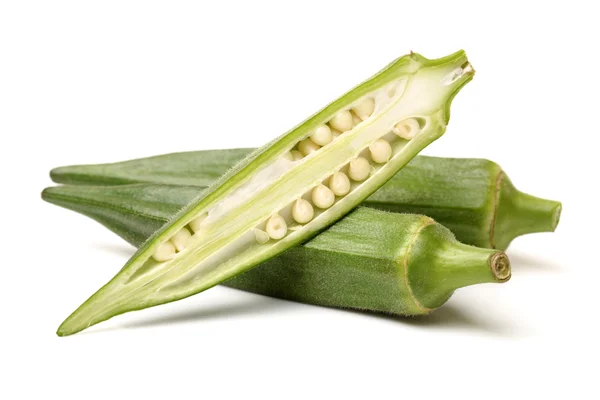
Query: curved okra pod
[
  {"x": 474, "y": 198},
  {"x": 252, "y": 214}
]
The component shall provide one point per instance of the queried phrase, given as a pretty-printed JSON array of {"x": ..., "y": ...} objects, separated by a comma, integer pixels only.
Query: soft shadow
[
  {"x": 118, "y": 249},
  {"x": 520, "y": 261},
  {"x": 449, "y": 317},
  {"x": 262, "y": 305}
]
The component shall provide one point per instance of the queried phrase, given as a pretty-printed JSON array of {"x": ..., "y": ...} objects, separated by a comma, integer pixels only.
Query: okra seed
[
  {"x": 180, "y": 239},
  {"x": 322, "y": 135},
  {"x": 355, "y": 120},
  {"x": 261, "y": 236},
  {"x": 339, "y": 184},
  {"x": 359, "y": 169},
  {"x": 407, "y": 129},
  {"x": 276, "y": 227},
  {"x": 322, "y": 196},
  {"x": 165, "y": 252},
  {"x": 364, "y": 108},
  {"x": 335, "y": 133},
  {"x": 381, "y": 151},
  {"x": 307, "y": 146},
  {"x": 342, "y": 121},
  {"x": 296, "y": 155},
  {"x": 302, "y": 211},
  {"x": 289, "y": 156},
  {"x": 196, "y": 224}
]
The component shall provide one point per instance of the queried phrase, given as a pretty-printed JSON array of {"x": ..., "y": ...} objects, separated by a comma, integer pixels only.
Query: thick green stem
[
  {"x": 438, "y": 265},
  {"x": 518, "y": 213}
]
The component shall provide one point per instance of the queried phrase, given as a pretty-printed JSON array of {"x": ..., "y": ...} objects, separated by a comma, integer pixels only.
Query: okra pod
[
  {"x": 249, "y": 215},
  {"x": 474, "y": 198},
  {"x": 371, "y": 260}
]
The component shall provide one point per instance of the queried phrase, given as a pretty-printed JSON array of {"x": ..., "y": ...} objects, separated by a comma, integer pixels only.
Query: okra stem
[
  {"x": 438, "y": 265},
  {"x": 518, "y": 213}
]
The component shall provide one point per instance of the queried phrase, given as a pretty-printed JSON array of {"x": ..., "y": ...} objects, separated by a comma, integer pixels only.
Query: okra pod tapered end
[{"x": 519, "y": 213}]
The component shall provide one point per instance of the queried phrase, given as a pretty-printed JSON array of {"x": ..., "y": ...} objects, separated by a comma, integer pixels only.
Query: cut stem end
[{"x": 500, "y": 267}]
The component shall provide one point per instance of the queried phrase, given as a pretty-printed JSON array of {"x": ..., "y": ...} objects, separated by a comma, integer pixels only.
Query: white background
[{"x": 87, "y": 82}]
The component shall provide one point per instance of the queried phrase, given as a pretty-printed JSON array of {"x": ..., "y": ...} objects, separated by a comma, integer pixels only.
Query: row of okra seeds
[{"x": 323, "y": 196}]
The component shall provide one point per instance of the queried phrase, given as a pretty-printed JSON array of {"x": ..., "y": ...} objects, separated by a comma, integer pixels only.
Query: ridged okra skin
[
  {"x": 370, "y": 260},
  {"x": 285, "y": 192},
  {"x": 474, "y": 198}
]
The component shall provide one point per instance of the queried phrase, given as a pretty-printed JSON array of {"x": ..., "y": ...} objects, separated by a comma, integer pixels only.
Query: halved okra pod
[
  {"x": 246, "y": 216},
  {"x": 473, "y": 197}
]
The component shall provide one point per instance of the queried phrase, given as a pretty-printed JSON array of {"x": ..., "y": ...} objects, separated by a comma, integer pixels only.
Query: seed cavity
[
  {"x": 322, "y": 135},
  {"x": 407, "y": 129},
  {"x": 165, "y": 252},
  {"x": 335, "y": 133},
  {"x": 381, "y": 151},
  {"x": 276, "y": 227},
  {"x": 355, "y": 120},
  {"x": 359, "y": 169},
  {"x": 180, "y": 239},
  {"x": 261, "y": 236},
  {"x": 307, "y": 146},
  {"x": 302, "y": 211},
  {"x": 364, "y": 108},
  {"x": 339, "y": 184},
  {"x": 322, "y": 196},
  {"x": 342, "y": 121}
]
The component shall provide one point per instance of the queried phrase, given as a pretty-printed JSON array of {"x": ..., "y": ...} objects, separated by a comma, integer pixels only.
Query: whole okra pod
[
  {"x": 370, "y": 260},
  {"x": 276, "y": 197},
  {"x": 474, "y": 198}
]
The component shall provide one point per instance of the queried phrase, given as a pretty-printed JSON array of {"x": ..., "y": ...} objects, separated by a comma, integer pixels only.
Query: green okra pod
[
  {"x": 474, "y": 198},
  {"x": 290, "y": 189},
  {"x": 371, "y": 260}
]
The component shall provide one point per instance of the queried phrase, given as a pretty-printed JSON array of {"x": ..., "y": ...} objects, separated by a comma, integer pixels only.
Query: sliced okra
[{"x": 259, "y": 193}]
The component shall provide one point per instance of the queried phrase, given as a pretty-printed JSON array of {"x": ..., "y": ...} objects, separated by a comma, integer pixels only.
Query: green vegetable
[
  {"x": 276, "y": 198},
  {"x": 474, "y": 198},
  {"x": 370, "y": 260}
]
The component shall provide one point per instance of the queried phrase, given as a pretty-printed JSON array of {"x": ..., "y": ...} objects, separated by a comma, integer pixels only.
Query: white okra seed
[
  {"x": 335, "y": 133},
  {"x": 196, "y": 224},
  {"x": 364, "y": 108},
  {"x": 302, "y": 211},
  {"x": 342, "y": 121},
  {"x": 288, "y": 156},
  {"x": 407, "y": 129},
  {"x": 180, "y": 239},
  {"x": 307, "y": 146},
  {"x": 359, "y": 169},
  {"x": 261, "y": 236},
  {"x": 276, "y": 227},
  {"x": 296, "y": 155},
  {"x": 381, "y": 151},
  {"x": 165, "y": 252},
  {"x": 322, "y": 196},
  {"x": 339, "y": 184},
  {"x": 322, "y": 135}
]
